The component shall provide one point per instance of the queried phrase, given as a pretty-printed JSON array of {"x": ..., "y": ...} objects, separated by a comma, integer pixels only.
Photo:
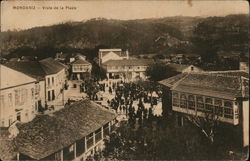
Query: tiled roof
[
  {"x": 228, "y": 87},
  {"x": 7, "y": 146},
  {"x": 129, "y": 62},
  {"x": 172, "y": 80},
  {"x": 230, "y": 73},
  {"x": 80, "y": 61},
  {"x": 31, "y": 68},
  {"x": 46, "y": 134},
  {"x": 51, "y": 66}
]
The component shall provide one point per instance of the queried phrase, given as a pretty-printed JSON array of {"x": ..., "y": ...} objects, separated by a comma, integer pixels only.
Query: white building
[
  {"x": 112, "y": 54},
  {"x": 50, "y": 74},
  {"x": 127, "y": 70},
  {"x": 17, "y": 96},
  {"x": 81, "y": 68}
]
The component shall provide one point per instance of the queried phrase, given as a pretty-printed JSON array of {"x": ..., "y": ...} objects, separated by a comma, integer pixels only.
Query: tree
[
  {"x": 207, "y": 123},
  {"x": 159, "y": 71}
]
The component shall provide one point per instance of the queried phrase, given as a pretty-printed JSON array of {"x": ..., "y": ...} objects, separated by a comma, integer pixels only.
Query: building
[
  {"x": 80, "y": 69},
  {"x": 112, "y": 54},
  {"x": 127, "y": 69},
  {"x": 221, "y": 93},
  {"x": 74, "y": 133},
  {"x": 244, "y": 66},
  {"x": 184, "y": 68},
  {"x": 17, "y": 96},
  {"x": 50, "y": 73}
]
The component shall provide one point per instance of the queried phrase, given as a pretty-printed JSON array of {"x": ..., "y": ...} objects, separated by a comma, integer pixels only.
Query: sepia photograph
[{"x": 111, "y": 80}]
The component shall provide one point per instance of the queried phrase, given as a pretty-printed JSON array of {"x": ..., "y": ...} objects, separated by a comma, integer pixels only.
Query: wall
[
  {"x": 57, "y": 84},
  {"x": 25, "y": 105}
]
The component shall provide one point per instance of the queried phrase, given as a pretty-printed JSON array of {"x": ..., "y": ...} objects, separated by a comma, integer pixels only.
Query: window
[
  {"x": 183, "y": 102},
  {"x": 10, "y": 99},
  {"x": 2, "y": 101},
  {"x": 18, "y": 117},
  {"x": 192, "y": 68},
  {"x": 209, "y": 104},
  {"x": 191, "y": 102},
  {"x": 52, "y": 81},
  {"x": 106, "y": 129},
  {"x": 176, "y": 101},
  {"x": 32, "y": 93},
  {"x": 200, "y": 103},
  {"x": 90, "y": 140},
  {"x": 48, "y": 80},
  {"x": 218, "y": 107},
  {"x": 20, "y": 96},
  {"x": 98, "y": 135},
  {"x": 228, "y": 109}
]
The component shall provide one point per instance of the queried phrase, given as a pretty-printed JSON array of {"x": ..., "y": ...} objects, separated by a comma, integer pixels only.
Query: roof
[
  {"x": 172, "y": 80},
  {"x": 51, "y": 66},
  {"x": 129, "y": 62},
  {"x": 110, "y": 50},
  {"x": 7, "y": 146},
  {"x": 64, "y": 127},
  {"x": 236, "y": 73},
  {"x": 214, "y": 85},
  {"x": 80, "y": 61},
  {"x": 8, "y": 78},
  {"x": 31, "y": 68},
  {"x": 119, "y": 52}
]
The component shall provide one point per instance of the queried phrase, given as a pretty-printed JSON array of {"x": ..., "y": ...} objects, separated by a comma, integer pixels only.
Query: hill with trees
[{"x": 160, "y": 36}]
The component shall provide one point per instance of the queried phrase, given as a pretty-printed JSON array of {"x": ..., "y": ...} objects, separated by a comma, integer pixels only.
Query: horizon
[{"x": 81, "y": 11}]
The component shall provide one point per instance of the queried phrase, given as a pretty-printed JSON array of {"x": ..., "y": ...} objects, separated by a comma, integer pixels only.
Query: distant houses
[
  {"x": 112, "y": 54},
  {"x": 119, "y": 67},
  {"x": 80, "y": 68},
  {"x": 127, "y": 70}
]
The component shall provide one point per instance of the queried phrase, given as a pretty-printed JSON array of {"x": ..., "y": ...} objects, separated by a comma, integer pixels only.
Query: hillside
[{"x": 164, "y": 35}]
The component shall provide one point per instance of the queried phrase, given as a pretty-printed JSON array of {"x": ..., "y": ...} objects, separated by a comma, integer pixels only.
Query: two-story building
[
  {"x": 17, "y": 96},
  {"x": 81, "y": 69},
  {"x": 55, "y": 78},
  {"x": 50, "y": 74},
  {"x": 127, "y": 69},
  {"x": 72, "y": 133},
  {"x": 221, "y": 93},
  {"x": 112, "y": 54}
]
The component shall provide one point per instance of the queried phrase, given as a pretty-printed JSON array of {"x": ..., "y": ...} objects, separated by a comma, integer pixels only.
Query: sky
[{"x": 44, "y": 13}]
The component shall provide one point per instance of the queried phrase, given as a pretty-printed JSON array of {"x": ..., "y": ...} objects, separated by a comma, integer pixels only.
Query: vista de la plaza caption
[{"x": 148, "y": 95}]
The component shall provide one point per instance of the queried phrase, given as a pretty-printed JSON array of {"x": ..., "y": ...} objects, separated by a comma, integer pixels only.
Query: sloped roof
[
  {"x": 46, "y": 134},
  {"x": 227, "y": 87},
  {"x": 80, "y": 61},
  {"x": 129, "y": 62},
  {"x": 51, "y": 66},
  {"x": 10, "y": 78},
  {"x": 236, "y": 73},
  {"x": 31, "y": 68},
  {"x": 172, "y": 80},
  {"x": 7, "y": 146},
  {"x": 119, "y": 52}
]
